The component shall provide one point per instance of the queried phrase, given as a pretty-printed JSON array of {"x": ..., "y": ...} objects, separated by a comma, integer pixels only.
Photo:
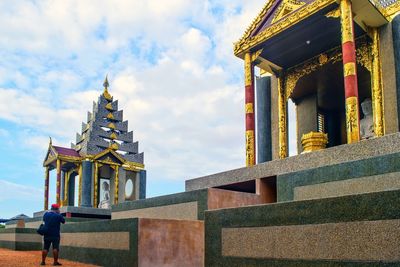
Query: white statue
[
  {"x": 367, "y": 123},
  {"x": 105, "y": 203}
]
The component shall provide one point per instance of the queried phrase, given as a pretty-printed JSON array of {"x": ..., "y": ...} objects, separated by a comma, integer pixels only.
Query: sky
[{"x": 170, "y": 66}]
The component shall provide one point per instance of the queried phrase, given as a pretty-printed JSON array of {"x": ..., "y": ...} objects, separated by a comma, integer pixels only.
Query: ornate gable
[
  {"x": 285, "y": 8},
  {"x": 276, "y": 16},
  {"x": 51, "y": 155},
  {"x": 110, "y": 156}
]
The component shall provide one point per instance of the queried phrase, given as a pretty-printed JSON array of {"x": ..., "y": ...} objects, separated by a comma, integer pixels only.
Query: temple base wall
[
  {"x": 381, "y": 146},
  {"x": 344, "y": 231},
  {"x": 132, "y": 242},
  {"x": 20, "y": 239},
  {"x": 184, "y": 206}
]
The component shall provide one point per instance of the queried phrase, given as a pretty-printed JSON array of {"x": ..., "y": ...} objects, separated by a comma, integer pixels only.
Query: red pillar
[
  {"x": 350, "y": 73},
  {"x": 249, "y": 107}
]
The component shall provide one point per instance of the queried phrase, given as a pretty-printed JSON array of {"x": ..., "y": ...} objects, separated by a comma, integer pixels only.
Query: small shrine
[
  {"x": 104, "y": 163},
  {"x": 335, "y": 60}
]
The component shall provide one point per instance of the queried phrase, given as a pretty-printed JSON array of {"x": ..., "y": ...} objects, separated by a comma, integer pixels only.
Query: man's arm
[{"x": 62, "y": 219}]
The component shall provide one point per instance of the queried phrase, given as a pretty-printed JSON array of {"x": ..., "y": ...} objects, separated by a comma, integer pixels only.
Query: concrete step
[
  {"x": 374, "y": 174},
  {"x": 375, "y": 147},
  {"x": 33, "y": 223},
  {"x": 20, "y": 239},
  {"x": 183, "y": 206}
]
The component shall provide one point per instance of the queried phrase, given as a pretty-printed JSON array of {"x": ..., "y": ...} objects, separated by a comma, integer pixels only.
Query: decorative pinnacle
[
  {"x": 106, "y": 84},
  {"x": 50, "y": 141},
  {"x": 106, "y": 94}
]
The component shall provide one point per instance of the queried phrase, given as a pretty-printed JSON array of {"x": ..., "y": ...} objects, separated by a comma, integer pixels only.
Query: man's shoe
[
  {"x": 42, "y": 263},
  {"x": 57, "y": 264}
]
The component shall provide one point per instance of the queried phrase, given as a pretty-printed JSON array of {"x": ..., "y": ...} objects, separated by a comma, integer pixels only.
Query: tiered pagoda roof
[{"x": 105, "y": 129}]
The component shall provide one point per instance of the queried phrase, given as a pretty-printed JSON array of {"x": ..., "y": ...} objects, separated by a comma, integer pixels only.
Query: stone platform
[
  {"x": 33, "y": 223},
  {"x": 80, "y": 212},
  {"x": 135, "y": 242},
  {"x": 184, "y": 206},
  {"x": 381, "y": 146},
  {"x": 356, "y": 230},
  {"x": 20, "y": 239}
]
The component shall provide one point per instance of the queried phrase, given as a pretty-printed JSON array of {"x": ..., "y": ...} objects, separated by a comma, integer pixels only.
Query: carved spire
[
  {"x": 106, "y": 84},
  {"x": 106, "y": 94}
]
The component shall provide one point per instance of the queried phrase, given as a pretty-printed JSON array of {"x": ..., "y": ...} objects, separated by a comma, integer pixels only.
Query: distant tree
[{"x": 2, "y": 226}]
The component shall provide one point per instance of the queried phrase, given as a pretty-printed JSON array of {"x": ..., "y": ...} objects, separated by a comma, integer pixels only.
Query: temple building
[
  {"x": 336, "y": 203},
  {"x": 104, "y": 163},
  {"x": 338, "y": 61}
]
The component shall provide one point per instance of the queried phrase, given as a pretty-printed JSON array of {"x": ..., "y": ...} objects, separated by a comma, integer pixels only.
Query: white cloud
[
  {"x": 171, "y": 67},
  {"x": 16, "y": 191}
]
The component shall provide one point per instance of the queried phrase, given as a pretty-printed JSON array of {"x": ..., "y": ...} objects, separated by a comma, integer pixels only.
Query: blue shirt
[{"x": 52, "y": 220}]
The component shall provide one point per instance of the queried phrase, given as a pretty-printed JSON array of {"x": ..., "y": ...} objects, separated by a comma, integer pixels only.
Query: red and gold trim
[
  {"x": 282, "y": 119},
  {"x": 95, "y": 185},
  {"x": 58, "y": 188},
  {"x": 46, "y": 188},
  {"x": 249, "y": 109},
  {"x": 350, "y": 72},
  {"x": 377, "y": 85}
]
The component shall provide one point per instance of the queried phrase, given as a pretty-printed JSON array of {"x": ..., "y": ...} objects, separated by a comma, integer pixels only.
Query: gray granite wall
[
  {"x": 142, "y": 184},
  {"x": 86, "y": 198},
  {"x": 357, "y": 230},
  {"x": 389, "y": 80},
  {"x": 396, "y": 50},
  {"x": 263, "y": 116}
]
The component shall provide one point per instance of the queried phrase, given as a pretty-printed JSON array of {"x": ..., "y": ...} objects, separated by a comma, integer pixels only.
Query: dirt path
[{"x": 11, "y": 258}]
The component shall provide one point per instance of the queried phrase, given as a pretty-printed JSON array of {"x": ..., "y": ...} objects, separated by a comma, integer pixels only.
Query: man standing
[{"x": 52, "y": 220}]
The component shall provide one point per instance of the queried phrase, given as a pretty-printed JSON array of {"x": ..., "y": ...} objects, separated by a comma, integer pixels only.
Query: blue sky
[{"x": 170, "y": 65}]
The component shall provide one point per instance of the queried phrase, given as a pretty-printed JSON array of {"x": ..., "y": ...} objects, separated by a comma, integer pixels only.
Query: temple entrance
[
  {"x": 320, "y": 102},
  {"x": 105, "y": 182}
]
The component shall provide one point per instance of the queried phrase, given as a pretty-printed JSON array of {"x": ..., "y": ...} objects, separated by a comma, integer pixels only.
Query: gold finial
[
  {"x": 106, "y": 84},
  {"x": 106, "y": 94}
]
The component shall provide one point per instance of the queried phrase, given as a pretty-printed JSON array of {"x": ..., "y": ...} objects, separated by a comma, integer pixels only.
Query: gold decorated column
[
  {"x": 95, "y": 184},
  {"x": 116, "y": 182},
  {"x": 350, "y": 72},
  {"x": 66, "y": 183},
  {"x": 46, "y": 187},
  {"x": 58, "y": 187},
  {"x": 282, "y": 119},
  {"x": 377, "y": 85},
  {"x": 249, "y": 110}
]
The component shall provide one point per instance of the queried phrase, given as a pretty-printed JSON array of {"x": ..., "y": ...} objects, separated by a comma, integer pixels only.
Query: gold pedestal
[{"x": 313, "y": 141}]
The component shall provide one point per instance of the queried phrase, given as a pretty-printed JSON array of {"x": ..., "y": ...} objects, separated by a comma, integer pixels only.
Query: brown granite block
[
  {"x": 170, "y": 243},
  {"x": 219, "y": 198}
]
